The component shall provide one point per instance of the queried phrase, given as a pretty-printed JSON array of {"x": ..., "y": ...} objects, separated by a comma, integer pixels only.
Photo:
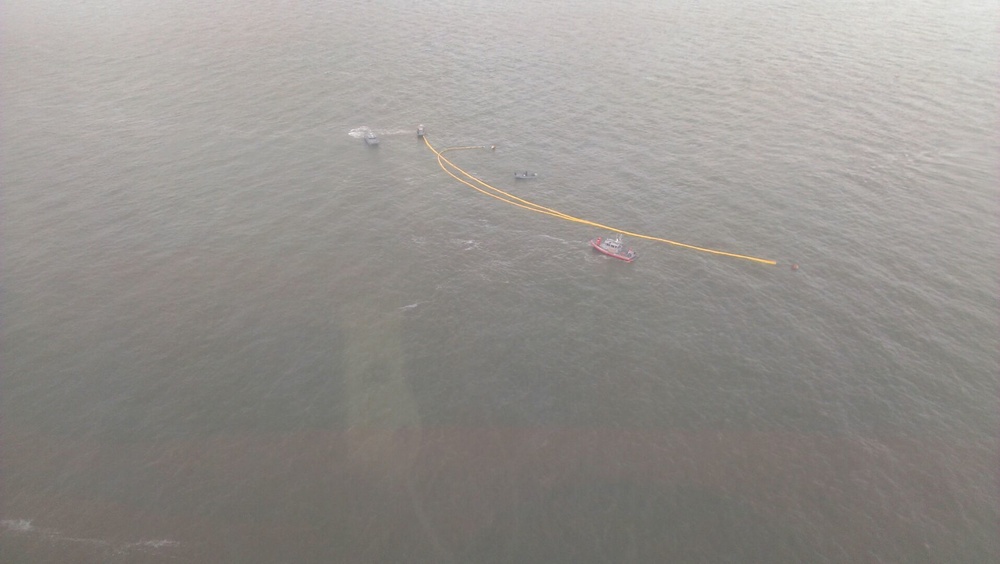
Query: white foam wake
[
  {"x": 24, "y": 527},
  {"x": 359, "y": 132},
  {"x": 16, "y": 525}
]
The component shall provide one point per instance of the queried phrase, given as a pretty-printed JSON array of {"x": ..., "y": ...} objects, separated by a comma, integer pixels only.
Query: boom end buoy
[{"x": 795, "y": 267}]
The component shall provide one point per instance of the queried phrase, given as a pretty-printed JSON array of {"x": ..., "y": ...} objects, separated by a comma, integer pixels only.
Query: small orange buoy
[{"x": 795, "y": 267}]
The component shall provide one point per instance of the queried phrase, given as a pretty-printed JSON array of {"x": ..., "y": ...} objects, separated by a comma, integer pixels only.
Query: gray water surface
[{"x": 232, "y": 332}]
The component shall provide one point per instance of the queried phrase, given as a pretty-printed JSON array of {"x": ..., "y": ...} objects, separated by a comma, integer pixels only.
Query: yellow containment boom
[{"x": 493, "y": 192}]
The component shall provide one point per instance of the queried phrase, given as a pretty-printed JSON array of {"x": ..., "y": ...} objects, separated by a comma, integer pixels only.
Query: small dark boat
[
  {"x": 525, "y": 175},
  {"x": 420, "y": 131},
  {"x": 370, "y": 138},
  {"x": 614, "y": 247}
]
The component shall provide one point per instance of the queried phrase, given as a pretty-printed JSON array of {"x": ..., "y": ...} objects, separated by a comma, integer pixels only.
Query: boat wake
[
  {"x": 559, "y": 239},
  {"x": 24, "y": 527},
  {"x": 17, "y": 525},
  {"x": 360, "y": 132}
]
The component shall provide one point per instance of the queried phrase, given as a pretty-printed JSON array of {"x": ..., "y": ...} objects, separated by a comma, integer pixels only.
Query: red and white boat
[{"x": 614, "y": 247}]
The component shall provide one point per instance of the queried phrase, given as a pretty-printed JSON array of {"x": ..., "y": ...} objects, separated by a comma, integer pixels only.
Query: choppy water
[{"x": 233, "y": 332}]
